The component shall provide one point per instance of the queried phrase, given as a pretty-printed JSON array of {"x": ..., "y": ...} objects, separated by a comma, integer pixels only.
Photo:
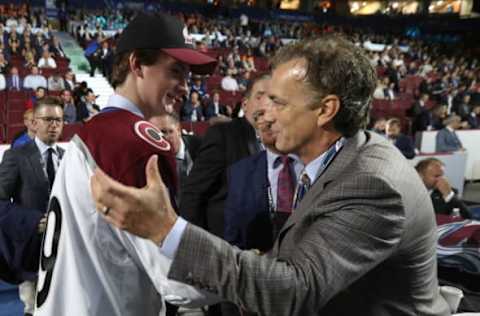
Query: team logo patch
[{"x": 151, "y": 135}]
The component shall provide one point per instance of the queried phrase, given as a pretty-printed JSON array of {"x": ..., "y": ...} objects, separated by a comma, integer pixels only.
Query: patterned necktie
[
  {"x": 302, "y": 188},
  {"x": 50, "y": 167},
  {"x": 285, "y": 187}
]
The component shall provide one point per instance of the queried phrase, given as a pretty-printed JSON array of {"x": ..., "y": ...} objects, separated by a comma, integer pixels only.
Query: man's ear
[
  {"x": 135, "y": 66},
  {"x": 326, "y": 112}
]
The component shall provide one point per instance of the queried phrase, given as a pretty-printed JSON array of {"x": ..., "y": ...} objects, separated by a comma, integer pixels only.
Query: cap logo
[
  {"x": 187, "y": 37},
  {"x": 151, "y": 135}
]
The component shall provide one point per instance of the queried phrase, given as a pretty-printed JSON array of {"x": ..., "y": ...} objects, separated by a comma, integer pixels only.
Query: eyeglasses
[{"x": 50, "y": 119}]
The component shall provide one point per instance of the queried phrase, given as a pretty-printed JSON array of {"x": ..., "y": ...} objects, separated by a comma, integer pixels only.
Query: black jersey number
[{"x": 47, "y": 263}]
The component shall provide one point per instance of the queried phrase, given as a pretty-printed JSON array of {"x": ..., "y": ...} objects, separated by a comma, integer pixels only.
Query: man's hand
[
  {"x": 42, "y": 225},
  {"x": 443, "y": 186},
  {"x": 145, "y": 212}
]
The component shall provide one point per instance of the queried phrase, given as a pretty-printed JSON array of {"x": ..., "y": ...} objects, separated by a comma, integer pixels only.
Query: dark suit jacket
[
  {"x": 421, "y": 117},
  {"x": 473, "y": 121},
  {"x": 447, "y": 141},
  {"x": 361, "y": 242},
  {"x": 82, "y": 111},
  {"x": 205, "y": 190},
  {"x": 405, "y": 145},
  {"x": 441, "y": 207},
  {"x": 187, "y": 110},
  {"x": 23, "y": 183},
  {"x": 248, "y": 222},
  {"x": 192, "y": 144},
  {"x": 210, "y": 110},
  {"x": 9, "y": 84}
]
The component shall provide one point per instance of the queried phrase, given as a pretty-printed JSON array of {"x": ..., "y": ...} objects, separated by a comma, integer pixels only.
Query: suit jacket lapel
[
  {"x": 35, "y": 160},
  {"x": 343, "y": 158},
  {"x": 261, "y": 180}
]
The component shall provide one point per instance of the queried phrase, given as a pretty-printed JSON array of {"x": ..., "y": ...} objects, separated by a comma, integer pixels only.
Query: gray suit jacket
[
  {"x": 23, "y": 179},
  {"x": 361, "y": 242}
]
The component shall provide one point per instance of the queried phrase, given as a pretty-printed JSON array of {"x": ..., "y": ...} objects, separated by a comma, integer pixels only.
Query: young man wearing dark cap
[{"x": 86, "y": 265}]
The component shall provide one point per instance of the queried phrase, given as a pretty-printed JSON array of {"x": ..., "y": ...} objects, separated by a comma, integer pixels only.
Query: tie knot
[
  {"x": 285, "y": 160},
  {"x": 50, "y": 151}
]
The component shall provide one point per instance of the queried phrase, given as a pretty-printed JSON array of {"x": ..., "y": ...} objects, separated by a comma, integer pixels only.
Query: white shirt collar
[
  {"x": 450, "y": 129},
  {"x": 121, "y": 102},
  {"x": 44, "y": 147},
  {"x": 272, "y": 157},
  {"x": 181, "y": 151}
]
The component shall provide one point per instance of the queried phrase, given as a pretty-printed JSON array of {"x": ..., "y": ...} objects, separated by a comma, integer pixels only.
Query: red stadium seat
[
  {"x": 13, "y": 130},
  {"x": 2, "y": 134},
  {"x": 18, "y": 95},
  {"x": 14, "y": 117},
  {"x": 198, "y": 128},
  {"x": 16, "y": 105}
]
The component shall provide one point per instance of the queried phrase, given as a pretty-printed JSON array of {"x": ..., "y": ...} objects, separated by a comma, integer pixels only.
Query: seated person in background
[
  {"x": 69, "y": 108},
  {"x": 34, "y": 79},
  {"x": 447, "y": 139},
  {"x": 26, "y": 135},
  {"x": 244, "y": 81},
  {"x": 444, "y": 197},
  {"x": 474, "y": 117},
  {"x": 55, "y": 82},
  {"x": 198, "y": 86},
  {"x": 384, "y": 90},
  {"x": 215, "y": 108},
  {"x": 3, "y": 64},
  {"x": 379, "y": 126},
  {"x": 46, "y": 61},
  {"x": 401, "y": 141},
  {"x": 191, "y": 110},
  {"x": 14, "y": 81},
  {"x": 439, "y": 113},
  {"x": 87, "y": 108},
  {"x": 229, "y": 83},
  {"x": 40, "y": 93}
]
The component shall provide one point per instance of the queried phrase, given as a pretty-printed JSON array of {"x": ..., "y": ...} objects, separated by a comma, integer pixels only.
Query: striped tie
[{"x": 286, "y": 186}]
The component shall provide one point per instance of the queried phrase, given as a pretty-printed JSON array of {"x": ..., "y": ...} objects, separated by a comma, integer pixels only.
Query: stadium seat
[
  {"x": 13, "y": 130},
  {"x": 18, "y": 95},
  {"x": 2, "y": 133},
  {"x": 14, "y": 117},
  {"x": 198, "y": 128},
  {"x": 16, "y": 105}
]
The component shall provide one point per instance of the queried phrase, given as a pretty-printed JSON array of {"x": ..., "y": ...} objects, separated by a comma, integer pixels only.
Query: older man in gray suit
[{"x": 360, "y": 242}]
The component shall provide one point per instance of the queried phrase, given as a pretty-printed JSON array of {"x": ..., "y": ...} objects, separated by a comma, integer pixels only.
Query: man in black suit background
[
  {"x": 420, "y": 114},
  {"x": 205, "y": 190},
  {"x": 26, "y": 177},
  {"x": 214, "y": 108},
  {"x": 184, "y": 146},
  {"x": 444, "y": 197},
  {"x": 401, "y": 141},
  {"x": 14, "y": 81}
]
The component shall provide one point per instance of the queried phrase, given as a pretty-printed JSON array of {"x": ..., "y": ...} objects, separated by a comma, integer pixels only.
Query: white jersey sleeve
[{"x": 88, "y": 267}]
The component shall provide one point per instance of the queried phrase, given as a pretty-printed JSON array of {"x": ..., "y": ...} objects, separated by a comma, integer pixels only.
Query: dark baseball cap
[{"x": 167, "y": 33}]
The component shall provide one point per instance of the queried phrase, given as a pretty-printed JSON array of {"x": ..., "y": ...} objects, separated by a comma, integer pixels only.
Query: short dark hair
[
  {"x": 253, "y": 81},
  {"x": 47, "y": 101},
  {"x": 336, "y": 66},
  {"x": 422, "y": 165},
  {"x": 121, "y": 66}
]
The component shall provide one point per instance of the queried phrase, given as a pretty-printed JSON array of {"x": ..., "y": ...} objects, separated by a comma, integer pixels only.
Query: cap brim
[{"x": 199, "y": 63}]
